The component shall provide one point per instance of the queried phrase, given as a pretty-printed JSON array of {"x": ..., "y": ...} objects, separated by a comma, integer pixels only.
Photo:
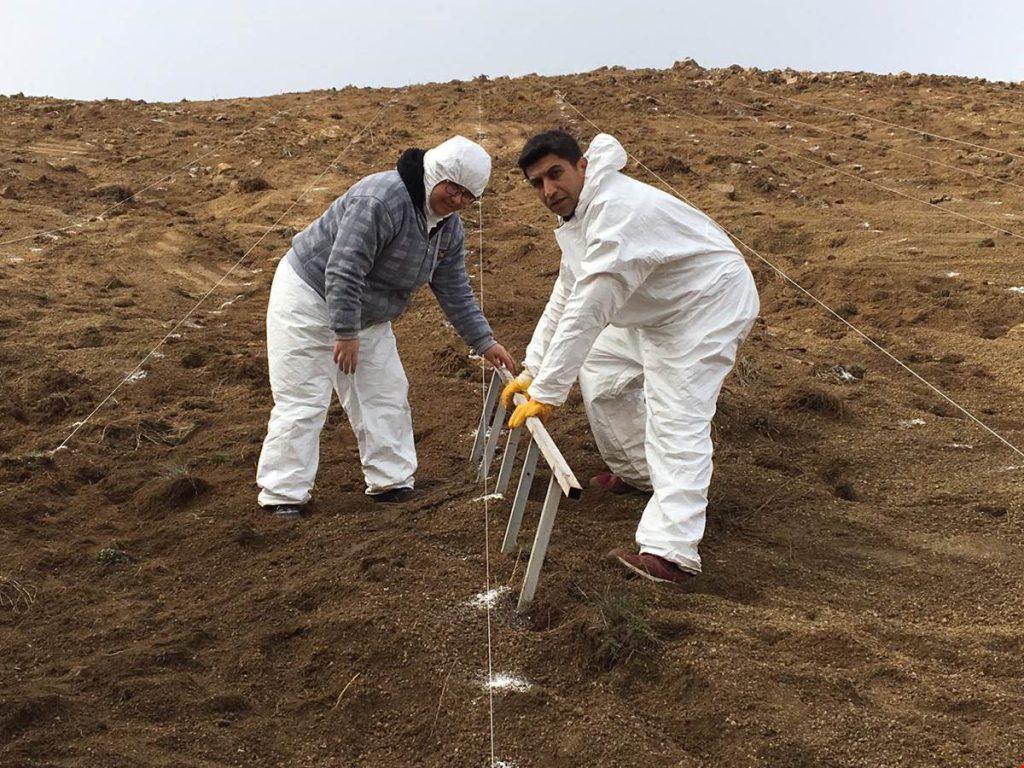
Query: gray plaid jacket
[{"x": 369, "y": 252}]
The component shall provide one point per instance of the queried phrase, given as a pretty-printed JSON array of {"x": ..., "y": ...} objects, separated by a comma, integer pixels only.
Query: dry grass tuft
[
  {"x": 816, "y": 400},
  {"x": 618, "y": 630},
  {"x": 16, "y": 596}
]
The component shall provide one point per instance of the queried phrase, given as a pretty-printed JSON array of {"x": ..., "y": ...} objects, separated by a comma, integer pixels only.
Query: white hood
[
  {"x": 605, "y": 156},
  {"x": 460, "y": 160}
]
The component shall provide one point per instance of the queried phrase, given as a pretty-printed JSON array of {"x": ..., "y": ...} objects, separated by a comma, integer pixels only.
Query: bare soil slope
[{"x": 862, "y": 599}]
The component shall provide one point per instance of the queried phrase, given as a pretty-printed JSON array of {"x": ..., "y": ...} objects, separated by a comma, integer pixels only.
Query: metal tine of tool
[
  {"x": 508, "y": 459},
  {"x": 540, "y": 543},
  {"x": 493, "y": 434},
  {"x": 515, "y": 518},
  {"x": 493, "y": 390}
]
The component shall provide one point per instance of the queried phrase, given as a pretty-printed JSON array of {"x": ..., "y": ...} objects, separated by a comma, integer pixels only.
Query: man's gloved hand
[
  {"x": 519, "y": 384},
  {"x": 531, "y": 408}
]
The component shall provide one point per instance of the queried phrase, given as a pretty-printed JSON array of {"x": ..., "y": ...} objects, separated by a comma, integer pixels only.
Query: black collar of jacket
[{"x": 410, "y": 168}]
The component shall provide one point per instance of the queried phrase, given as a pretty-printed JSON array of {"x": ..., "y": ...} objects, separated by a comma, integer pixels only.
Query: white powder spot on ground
[
  {"x": 490, "y": 497},
  {"x": 506, "y": 682},
  {"x": 1017, "y": 289},
  {"x": 907, "y": 423},
  {"x": 489, "y": 598},
  {"x": 137, "y": 376}
]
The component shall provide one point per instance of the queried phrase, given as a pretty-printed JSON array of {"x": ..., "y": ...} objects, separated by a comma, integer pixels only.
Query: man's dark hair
[{"x": 557, "y": 143}]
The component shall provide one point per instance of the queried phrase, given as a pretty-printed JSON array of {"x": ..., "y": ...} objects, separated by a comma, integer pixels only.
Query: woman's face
[{"x": 448, "y": 197}]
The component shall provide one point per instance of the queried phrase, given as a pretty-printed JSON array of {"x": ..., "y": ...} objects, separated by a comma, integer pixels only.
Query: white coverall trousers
[
  {"x": 650, "y": 395},
  {"x": 300, "y": 348}
]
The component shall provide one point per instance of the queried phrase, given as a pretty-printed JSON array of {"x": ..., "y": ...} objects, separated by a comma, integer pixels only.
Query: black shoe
[
  {"x": 287, "y": 511},
  {"x": 395, "y": 495}
]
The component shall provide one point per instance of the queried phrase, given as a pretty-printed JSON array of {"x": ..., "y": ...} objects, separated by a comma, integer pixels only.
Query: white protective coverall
[
  {"x": 300, "y": 346},
  {"x": 651, "y": 304}
]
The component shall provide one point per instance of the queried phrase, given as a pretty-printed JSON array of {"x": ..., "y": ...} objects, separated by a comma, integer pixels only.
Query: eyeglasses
[{"x": 460, "y": 192}]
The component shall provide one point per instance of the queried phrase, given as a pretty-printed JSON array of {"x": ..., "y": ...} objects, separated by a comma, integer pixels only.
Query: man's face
[{"x": 558, "y": 183}]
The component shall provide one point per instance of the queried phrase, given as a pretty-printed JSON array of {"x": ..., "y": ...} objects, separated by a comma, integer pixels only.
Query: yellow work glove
[
  {"x": 519, "y": 384},
  {"x": 528, "y": 409}
]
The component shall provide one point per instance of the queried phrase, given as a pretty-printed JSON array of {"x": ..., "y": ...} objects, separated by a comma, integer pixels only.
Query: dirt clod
[{"x": 249, "y": 184}]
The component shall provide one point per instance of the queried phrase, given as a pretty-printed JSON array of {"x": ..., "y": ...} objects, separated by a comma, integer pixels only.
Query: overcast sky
[{"x": 171, "y": 49}]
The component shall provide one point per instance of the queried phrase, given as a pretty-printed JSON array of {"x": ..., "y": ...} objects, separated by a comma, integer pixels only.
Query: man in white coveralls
[
  {"x": 345, "y": 278},
  {"x": 651, "y": 303}
]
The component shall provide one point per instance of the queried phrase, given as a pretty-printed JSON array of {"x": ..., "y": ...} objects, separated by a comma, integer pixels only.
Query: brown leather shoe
[
  {"x": 651, "y": 566},
  {"x": 606, "y": 481}
]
